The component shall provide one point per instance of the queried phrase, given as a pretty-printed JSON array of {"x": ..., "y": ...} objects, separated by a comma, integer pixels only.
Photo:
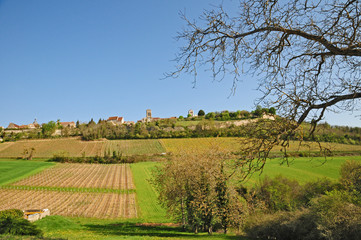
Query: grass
[
  {"x": 304, "y": 169},
  {"x": 150, "y": 210},
  {"x": 13, "y": 170},
  {"x": 88, "y": 228}
]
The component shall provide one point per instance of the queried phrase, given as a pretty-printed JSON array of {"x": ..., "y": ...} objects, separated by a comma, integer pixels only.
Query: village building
[
  {"x": 13, "y": 126},
  {"x": 149, "y": 118},
  {"x": 190, "y": 113},
  {"x": 68, "y": 124},
  {"x": 116, "y": 120}
]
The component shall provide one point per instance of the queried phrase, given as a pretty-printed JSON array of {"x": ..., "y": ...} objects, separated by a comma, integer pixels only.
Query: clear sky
[{"x": 81, "y": 59}]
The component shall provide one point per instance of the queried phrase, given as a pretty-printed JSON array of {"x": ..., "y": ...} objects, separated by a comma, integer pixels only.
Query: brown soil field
[
  {"x": 98, "y": 205},
  {"x": 74, "y": 147},
  {"x": 111, "y": 176}
]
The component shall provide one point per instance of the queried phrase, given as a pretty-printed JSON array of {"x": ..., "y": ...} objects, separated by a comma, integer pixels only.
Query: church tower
[{"x": 149, "y": 114}]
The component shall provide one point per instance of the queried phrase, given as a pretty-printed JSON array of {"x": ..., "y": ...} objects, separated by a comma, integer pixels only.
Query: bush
[
  {"x": 11, "y": 213},
  {"x": 15, "y": 225},
  {"x": 351, "y": 176},
  {"x": 336, "y": 216},
  {"x": 279, "y": 193},
  {"x": 283, "y": 226}
]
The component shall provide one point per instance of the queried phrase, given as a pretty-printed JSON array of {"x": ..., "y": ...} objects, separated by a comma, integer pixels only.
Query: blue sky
[{"x": 81, "y": 59}]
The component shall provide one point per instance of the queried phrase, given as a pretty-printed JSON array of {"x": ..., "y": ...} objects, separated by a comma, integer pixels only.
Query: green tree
[
  {"x": 48, "y": 128},
  {"x": 201, "y": 113}
]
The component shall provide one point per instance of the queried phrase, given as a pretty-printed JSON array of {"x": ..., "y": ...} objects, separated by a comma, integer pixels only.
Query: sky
[{"x": 77, "y": 60}]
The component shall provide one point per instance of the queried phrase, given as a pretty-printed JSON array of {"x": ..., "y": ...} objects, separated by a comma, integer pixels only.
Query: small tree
[{"x": 201, "y": 113}]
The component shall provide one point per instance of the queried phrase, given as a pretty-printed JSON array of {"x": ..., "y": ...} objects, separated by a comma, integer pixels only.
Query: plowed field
[
  {"x": 114, "y": 176},
  {"x": 98, "y": 205}
]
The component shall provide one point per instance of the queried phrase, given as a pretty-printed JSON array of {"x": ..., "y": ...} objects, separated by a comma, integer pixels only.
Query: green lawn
[
  {"x": 88, "y": 228},
  {"x": 150, "y": 209},
  {"x": 304, "y": 169},
  {"x": 12, "y": 170}
]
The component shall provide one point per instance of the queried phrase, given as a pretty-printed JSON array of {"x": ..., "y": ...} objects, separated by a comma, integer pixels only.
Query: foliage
[
  {"x": 116, "y": 157},
  {"x": 351, "y": 176},
  {"x": 11, "y": 213},
  {"x": 48, "y": 129},
  {"x": 297, "y": 225},
  {"x": 195, "y": 190},
  {"x": 201, "y": 113},
  {"x": 15, "y": 225},
  {"x": 336, "y": 216},
  {"x": 279, "y": 193}
]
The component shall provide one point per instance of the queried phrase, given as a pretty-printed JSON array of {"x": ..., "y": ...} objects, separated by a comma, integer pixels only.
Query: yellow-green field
[
  {"x": 74, "y": 147},
  {"x": 233, "y": 144}
]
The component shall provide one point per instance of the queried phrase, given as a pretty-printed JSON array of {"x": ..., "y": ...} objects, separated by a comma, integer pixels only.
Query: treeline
[
  {"x": 107, "y": 158},
  {"x": 155, "y": 130},
  {"x": 202, "y": 193}
]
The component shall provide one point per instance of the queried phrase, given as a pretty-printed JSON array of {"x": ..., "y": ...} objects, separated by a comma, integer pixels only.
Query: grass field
[
  {"x": 90, "y": 228},
  {"x": 304, "y": 169},
  {"x": 74, "y": 147},
  {"x": 150, "y": 209}
]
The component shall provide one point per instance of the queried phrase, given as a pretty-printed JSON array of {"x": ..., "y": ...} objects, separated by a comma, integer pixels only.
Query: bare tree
[{"x": 306, "y": 54}]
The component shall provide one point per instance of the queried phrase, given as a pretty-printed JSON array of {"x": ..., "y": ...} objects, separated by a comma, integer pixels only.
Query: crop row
[
  {"x": 98, "y": 205},
  {"x": 115, "y": 176}
]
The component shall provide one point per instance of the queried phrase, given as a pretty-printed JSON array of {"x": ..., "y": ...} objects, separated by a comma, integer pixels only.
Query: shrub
[
  {"x": 336, "y": 216},
  {"x": 11, "y": 213},
  {"x": 316, "y": 189},
  {"x": 283, "y": 226},
  {"x": 279, "y": 193},
  {"x": 11, "y": 222},
  {"x": 351, "y": 176}
]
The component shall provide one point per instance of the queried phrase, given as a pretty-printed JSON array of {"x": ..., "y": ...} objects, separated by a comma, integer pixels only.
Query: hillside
[{"x": 74, "y": 147}]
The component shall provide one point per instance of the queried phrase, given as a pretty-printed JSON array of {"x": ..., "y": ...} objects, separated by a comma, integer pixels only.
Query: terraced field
[
  {"x": 83, "y": 190},
  {"x": 232, "y": 144},
  {"x": 98, "y": 205},
  {"x": 115, "y": 176},
  {"x": 74, "y": 147}
]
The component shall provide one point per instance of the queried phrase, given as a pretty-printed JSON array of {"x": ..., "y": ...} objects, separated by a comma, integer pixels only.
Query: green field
[
  {"x": 303, "y": 169},
  {"x": 11, "y": 171}
]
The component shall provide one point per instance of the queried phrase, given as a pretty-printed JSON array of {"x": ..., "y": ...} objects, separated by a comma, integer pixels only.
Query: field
[
  {"x": 87, "y": 190},
  {"x": 46, "y": 148},
  {"x": 13, "y": 170},
  {"x": 98, "y": 205},
  {"x": 232, "y": 144},
  {"x": 94, "y": 201},
  {"x": 304, "y": 169},
  {"x": 116, "y": 176},
  {"x": 74, "y": 147}
]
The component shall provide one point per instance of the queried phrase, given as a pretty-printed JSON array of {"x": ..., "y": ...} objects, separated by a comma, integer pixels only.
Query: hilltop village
[{"x": 224, "y": 123}]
